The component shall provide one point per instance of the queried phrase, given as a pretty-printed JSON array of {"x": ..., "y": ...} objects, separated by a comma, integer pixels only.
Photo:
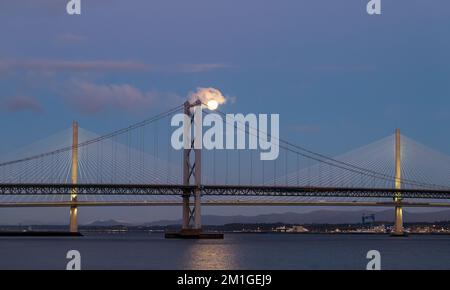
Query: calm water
[{"x": 236, "y": 251}]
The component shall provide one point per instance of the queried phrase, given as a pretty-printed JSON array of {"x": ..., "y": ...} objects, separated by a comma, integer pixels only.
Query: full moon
[{"x": 212, "y": 105}]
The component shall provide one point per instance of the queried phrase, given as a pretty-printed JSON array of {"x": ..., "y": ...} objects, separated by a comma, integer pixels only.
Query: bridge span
[
  {"x": 225, "y": 203},
  {"x": 218, "y": 190}
]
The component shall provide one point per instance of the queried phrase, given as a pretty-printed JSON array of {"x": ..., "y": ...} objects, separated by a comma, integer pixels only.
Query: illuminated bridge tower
[
  {"x": 74, "y": 177},
  {"x": 398, "y": 227}
]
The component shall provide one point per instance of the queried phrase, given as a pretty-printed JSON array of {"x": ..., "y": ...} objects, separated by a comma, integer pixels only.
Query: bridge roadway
[
  {"x": 220, "y": 203},
  {"x": 221, "y": 190},
  {"x": 218, "y": 190}
]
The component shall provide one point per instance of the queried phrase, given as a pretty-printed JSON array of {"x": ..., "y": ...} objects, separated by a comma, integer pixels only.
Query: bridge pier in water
[
  {"x": 398, "y": 225},
  {"x": 192, "y": 169}
]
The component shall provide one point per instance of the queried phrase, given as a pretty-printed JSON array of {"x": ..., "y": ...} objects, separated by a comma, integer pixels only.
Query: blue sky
[{"x": 338, "y": 77}]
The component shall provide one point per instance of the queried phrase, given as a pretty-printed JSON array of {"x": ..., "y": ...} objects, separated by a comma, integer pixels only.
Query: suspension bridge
[{"x": 137, "y": 166}]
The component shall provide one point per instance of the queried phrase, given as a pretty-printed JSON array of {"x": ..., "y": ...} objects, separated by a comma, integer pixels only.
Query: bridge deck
[
  {"x": 218, "y": 203},
  {"x": 219, "y": 190}
]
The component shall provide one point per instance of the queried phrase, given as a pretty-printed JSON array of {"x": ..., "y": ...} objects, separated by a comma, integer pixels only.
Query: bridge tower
[
  {"x": 398, "y": 226},
  {"x": 192, "y": 168},
  {"x": 74, "y": 176}
]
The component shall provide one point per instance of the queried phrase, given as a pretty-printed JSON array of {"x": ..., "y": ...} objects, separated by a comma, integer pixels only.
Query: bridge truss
[{"x": 218, "y": 190}]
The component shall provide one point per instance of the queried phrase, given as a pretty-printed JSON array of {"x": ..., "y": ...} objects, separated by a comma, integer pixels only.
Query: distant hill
[
  {"x": 315, "y": 217},
  {"x": 107, "y": 223}
]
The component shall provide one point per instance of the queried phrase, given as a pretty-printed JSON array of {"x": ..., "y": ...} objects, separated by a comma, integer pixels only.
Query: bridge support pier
[
  {"x": 398, "y": 226},
  {"x": 192, "y": 171},
  {"x": 192, "y": 168},
  {"x": 74, "y": 176}
]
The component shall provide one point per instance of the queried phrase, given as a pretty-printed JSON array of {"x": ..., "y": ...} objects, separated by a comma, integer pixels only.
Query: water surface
[{"x": 236, "y": 251}]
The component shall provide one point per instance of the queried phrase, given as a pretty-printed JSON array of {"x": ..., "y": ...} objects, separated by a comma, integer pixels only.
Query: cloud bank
[
  {"x": 92, "y": 98},
  {"x": 50, "y": 65},
  {"x": 22, "y": 103},
  {"x": 46, "y": 65}
]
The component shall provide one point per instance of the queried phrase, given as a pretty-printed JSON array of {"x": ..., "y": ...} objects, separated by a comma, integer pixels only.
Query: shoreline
[{"x": 112, "y": 232}]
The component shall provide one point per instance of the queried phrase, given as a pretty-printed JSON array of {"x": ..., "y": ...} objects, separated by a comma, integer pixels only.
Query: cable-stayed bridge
[{"x": 137, "y": 166}]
